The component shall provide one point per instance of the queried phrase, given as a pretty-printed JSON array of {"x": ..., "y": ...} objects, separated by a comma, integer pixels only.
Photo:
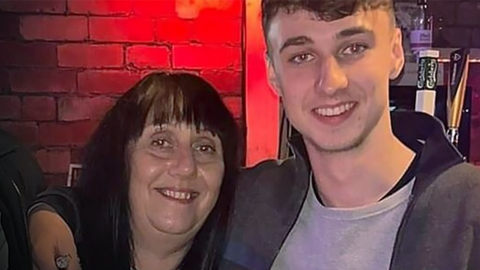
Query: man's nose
[{"x": 331, "y": 77}]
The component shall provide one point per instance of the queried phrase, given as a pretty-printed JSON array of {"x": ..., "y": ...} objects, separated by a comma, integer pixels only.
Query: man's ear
[
  {"x": 272, "y": 76},
  {"x": 398, "y": 56}
]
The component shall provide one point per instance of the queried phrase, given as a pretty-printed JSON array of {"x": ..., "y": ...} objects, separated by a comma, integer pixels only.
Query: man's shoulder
[
  {"x": 463, "y": 176},
  {"x": 458, "y": 188},
  {"x": 267, "y": 170},
  {"x": 268, "y": 196},
  {"x": 275, "y": 176}
]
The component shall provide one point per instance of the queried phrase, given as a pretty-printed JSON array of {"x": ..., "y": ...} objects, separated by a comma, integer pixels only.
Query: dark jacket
[
  {"x": 21, "y": 179},
  {"x": 440, "y": 230}
]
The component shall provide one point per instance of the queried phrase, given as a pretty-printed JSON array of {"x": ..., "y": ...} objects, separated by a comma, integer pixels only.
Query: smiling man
[
  {"x": 366, "y": 189},
  {"x": 333, "y": 78}
]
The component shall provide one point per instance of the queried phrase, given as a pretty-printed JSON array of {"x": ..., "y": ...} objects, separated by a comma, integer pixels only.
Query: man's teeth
[
  {"x": 178, "y": 195},
  {"x": 335, "y": 111}
]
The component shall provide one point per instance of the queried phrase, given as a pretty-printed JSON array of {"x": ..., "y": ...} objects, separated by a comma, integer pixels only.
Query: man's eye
[
  {"x": 354, "y": 49},
  {"x": 301, "y": 58}
]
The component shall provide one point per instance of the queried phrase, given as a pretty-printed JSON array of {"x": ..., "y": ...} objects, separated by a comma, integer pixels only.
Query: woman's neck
[
  {"x": 145, "y": 259},
  {"x": 159, "y": 251}
]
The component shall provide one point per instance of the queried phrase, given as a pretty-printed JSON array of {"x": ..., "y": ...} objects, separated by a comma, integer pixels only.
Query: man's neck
[
  {"x": 159, "y": 252},
  {"x": 361, "y": 176}
]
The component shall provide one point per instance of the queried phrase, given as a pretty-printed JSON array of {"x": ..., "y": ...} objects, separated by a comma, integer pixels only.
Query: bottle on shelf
[{"x": 422, "y": 26}]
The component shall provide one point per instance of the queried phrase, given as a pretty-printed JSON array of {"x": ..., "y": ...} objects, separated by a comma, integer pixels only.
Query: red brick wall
[{"x": 64, "y": 62}]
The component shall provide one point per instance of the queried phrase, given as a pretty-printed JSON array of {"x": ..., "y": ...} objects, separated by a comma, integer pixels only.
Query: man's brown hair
[{"x": 327, "y": 10}]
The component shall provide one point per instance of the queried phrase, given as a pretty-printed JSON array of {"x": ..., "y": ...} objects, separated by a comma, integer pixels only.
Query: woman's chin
[{"x": 176, "y": 228}]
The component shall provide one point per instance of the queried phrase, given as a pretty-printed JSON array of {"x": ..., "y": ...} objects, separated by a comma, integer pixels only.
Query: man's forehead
[{"x": 285, "y": 24}]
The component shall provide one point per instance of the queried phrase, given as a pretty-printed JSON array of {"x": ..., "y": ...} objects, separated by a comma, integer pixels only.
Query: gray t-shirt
[
  {"x": 3, "y": 248},
  {"x": 348, "y": 239}
]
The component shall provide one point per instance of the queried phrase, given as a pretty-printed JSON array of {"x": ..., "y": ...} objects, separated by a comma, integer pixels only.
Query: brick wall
[{"x": 63, "y": 63}]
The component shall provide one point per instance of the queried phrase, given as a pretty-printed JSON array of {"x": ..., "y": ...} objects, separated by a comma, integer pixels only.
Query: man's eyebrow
[
  {"x": 296, "y": 41},
  {"x": 349, "y": 32}
]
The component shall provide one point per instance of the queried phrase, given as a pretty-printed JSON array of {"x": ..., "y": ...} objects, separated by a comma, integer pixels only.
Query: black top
[
  {"x": 3, "y": 249},
  {"x": 20, "y": 180},
  {"x": 408, "y": 176},
  {"x": 411, "y": 170}
]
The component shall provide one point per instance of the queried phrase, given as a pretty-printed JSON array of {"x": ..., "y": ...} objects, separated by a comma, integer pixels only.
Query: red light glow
[
  {"x": 262, "y": 104},
  {"x": 190, "y": 9}
]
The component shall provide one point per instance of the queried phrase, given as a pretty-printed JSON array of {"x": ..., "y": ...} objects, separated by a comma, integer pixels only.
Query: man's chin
[{"x": 337, "y": 146}]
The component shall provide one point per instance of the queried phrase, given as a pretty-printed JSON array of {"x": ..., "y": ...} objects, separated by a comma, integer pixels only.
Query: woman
[{"x": 158, "y": 178}]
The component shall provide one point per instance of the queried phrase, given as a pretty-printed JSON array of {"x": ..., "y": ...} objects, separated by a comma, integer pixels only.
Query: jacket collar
[{"x": 437, "y": 153}]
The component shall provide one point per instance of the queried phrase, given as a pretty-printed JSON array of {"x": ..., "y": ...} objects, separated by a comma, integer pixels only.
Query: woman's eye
[
  {"x": 160, "y": 143},
  {"x": 301, "y": 58},
  {"x": 205, "y": 148},
  {"x": 354, "y": 49}
]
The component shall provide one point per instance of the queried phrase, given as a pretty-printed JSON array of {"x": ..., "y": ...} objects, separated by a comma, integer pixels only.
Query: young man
[{"x": 366, "y": 189}]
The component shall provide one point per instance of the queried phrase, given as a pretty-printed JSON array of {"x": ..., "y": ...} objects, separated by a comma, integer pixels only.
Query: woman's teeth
[{"x": 178, "y": 194}]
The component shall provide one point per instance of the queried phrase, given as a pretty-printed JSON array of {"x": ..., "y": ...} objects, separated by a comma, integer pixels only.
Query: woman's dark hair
[{"x": 106, "y": 238}]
